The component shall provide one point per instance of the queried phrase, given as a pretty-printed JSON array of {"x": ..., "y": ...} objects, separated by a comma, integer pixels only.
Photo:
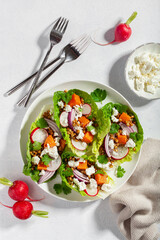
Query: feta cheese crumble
[
  {"x": 80, "y": 135},
  {"x": 81, "y": 185},
  {"x": 73, "y": 164},
  {"x": 145, "y": 72},
  {"x": 111, "y": 144},
  {"x": 106, "y": 187},
  {"x": 61, "y": 104},
  {"x": 93, "y": 183},
  {"x": 42, "y": 172},
  {"x": 130, "y": 143},
  {"x": 35, "y": 160},
  {"x": 105, "y": 166},
  {"x": 91, "y": 170},
  {"x": 114, "y": 119},
  {"x": 68, "y": 108},
  {"x": 51, "y": 151}
]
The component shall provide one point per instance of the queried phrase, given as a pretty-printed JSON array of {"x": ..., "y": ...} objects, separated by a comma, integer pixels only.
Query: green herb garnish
[
  {"x": 98, "y": 95},
  {"x": 120, "y": 172},
  {"x": 36, "y": 146},
  {"x": 102, "y": 159},
  {"x": 46, "y": 159},
  {"x": 120, "y": 107},
  {"x": 114, "y": 128},
  {"x": 135, "y": 136},
  {"x": 61, "y": 187},
  {"x": 100, "y": 172},
  {"x": 68, "y": 172},
  {"x": 65, "y": 188},
  {"x": 90, "y": 128},
  {"x": 41, "y": 123}
]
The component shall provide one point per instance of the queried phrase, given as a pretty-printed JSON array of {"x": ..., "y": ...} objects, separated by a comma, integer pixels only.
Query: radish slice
[
  {"x": 38, "y": 135},
  {"x": 106, "y": 147},
  {"x": 71, "y": 117},
  {"x": 92, "y": 192},
  {"x": 79, "y": 145},
  {"x": 127, "y": 129},
  {"x": 54, "y": 164},
  {"x": 64, "y": 119},
  {"x": 46, "y": 176},
  {"x": 134, "y": 128},
  {"x": 121, "y": 153},
  {"x": 54, "y": 126},
  {"x": 86, "y": 109}
]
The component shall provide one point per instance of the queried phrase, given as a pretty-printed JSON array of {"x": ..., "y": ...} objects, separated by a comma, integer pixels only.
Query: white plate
[
  {"x": 148, "y": 48},
  {"x": 46, "y": 99}
]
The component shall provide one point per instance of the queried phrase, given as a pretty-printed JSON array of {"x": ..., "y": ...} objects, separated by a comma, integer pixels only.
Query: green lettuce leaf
[{"x": 58, "y": 96}]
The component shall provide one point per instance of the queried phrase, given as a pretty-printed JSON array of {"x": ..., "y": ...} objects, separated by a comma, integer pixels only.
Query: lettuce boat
[
  {"x": 44, "y": 147},
  {"x": 75, "y": 113},
  {"x": 84, "y": 176},
  {"x": 120, "y": 136}
]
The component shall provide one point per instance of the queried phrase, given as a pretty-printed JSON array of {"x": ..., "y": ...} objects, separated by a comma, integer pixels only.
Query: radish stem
[
  {"x": 5, "y": 205},
  {"x": 5, "y": 181},
  {"x": 36, "y": 200},
  {"x": 40, "y": 213},
  {"x": 131, "y": 18}
]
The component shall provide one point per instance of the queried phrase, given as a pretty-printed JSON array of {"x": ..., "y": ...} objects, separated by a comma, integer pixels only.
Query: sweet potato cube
[
  {"x": 41, "y": 166},
  {"x": 84, "y": 121},
  {"x": 88, "y": 137},
  {"x": 82, "y": 165},
  {"x": 100, "y": 178},
  {"x": 75, "y": 100},
  {"x": 122, "y": 139},
  {"x": 49, "y": 140},
  {"x": 124, "y": 117}
]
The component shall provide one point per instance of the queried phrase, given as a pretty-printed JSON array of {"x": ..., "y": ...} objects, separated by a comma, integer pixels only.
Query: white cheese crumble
[
  {"x": 55, "y": 134},
  {"x": 57, "y": 139},
  {"x": 73, "y": 164},
  {"x": 35, "y": 160},
  {"x": 145, "y": 72},
  {"x": 93, "y": 183},
  {"x": 106, "y": 187},
  {"x": 78, "y": 111},
  {"x": 93, "y": 131},
  {"x": 68, "y": 108},
  {"x": 111, "y": 144},
  {"x": 114, "y": 119},
  {"x": 105, "y": 166},
  {"x": 130, "y": 143},
  {"x": 61, "y": 104},
  {"x": 115, "y": 112},
  {"x": 42, "y": 172},
  {"x": 80, "y": 135},
  {"x": 51, "y": 151},
  {"x": 81, "y": 185},
  {"x": 91, "y": 170}
]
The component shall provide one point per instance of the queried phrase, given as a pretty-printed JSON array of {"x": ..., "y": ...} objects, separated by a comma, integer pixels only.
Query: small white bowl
[{"x": 148, "y": 48}]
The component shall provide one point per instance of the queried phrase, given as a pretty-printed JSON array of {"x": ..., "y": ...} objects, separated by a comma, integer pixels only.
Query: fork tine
[
  {"x": 83, "y": 44},
  {"x": 77, "y": 40},
  {"x": 55, "y": 25},
  {"x": 84, "y": 47},
  {"x": 59, "y": 25},
  {"x": 65, "y": 26}
]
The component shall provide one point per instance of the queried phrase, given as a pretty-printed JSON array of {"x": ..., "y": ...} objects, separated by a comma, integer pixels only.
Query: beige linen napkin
[{"x": 137, "y": 202}]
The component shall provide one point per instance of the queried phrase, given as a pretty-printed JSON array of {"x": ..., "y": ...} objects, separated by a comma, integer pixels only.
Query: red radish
[
  {"x": 121, "y": 153},
  {"x": 18, "y": 190},
  {"x": 106, "y": 147},
  {"x": 64, "y": 119},
  {"x": 92, "y": 192},
  {"x": 23, "y": 210},
  {"x": 122, "y": 31},
  {"x": 38, "y": 135},
  {"x": 79, "y": 145},
  {"x": 71, "y": 117},
  {"x": 54, "y": 164},
  {"x": 86, "y": 109}
]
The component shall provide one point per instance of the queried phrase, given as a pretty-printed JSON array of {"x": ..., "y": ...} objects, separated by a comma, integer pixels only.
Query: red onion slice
[
  {"x": 71, "y": 117},
  {"x": 54, "y": 126},
  {"x": 54, "y": 164},
  {"x": 127, "y": 129},
  {"x": 134, "y": 128},
  {"x": 46, "y": 176},
  {"x": 106, "y": 146},
  {"x": 80, "y": 176}
]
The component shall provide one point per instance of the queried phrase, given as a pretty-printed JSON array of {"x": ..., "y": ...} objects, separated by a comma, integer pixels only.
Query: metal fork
[
  {"x": 69, "y": 53},
  {"x": 56, "y": 35}
]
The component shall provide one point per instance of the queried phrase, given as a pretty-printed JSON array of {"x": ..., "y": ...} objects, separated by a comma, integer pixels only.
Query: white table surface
[{"x": 24, "y": 28}]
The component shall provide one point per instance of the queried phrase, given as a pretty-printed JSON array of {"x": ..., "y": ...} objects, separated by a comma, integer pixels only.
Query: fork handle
[
  {"x": 31, "y": 90},
  {"x": 43, "y": 80},
  {"x": 19, "y": 85}
]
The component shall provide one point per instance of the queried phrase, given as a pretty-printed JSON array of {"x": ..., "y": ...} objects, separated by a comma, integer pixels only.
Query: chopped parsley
[
  {"x": 100, "y": 172},
  {"x": 90, "y": 128},
  {"x": 102, "y": 159},
  {"x": 46, "y": 159},
  {"x": 114, "y": 128},
  {"x": 41, "y": 123},
  {"x": 59, "y": 188},
  {"x": 36, "y": 146},
  {"x": 98, "y": 95},
  {"x": 120, "y": 172},
  {"x": 68, "y": 172},
  {"x": 135, "y": 136}
]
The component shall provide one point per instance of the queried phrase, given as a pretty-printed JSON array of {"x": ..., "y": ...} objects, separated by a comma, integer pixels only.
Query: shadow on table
[
  {"x": 106, "y": 220},
  {"x": 118, "y": 82}
]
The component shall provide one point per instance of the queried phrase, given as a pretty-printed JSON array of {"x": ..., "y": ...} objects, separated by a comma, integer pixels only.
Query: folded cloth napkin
[{"x": 137, "y": 202}]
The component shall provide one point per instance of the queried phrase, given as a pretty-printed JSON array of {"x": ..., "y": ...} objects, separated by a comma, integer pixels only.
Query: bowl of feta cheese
[{"x": 142, "y": 71}]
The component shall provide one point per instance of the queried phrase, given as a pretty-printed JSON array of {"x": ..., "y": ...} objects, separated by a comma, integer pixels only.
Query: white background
[{"x": 24, "y": 28}]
